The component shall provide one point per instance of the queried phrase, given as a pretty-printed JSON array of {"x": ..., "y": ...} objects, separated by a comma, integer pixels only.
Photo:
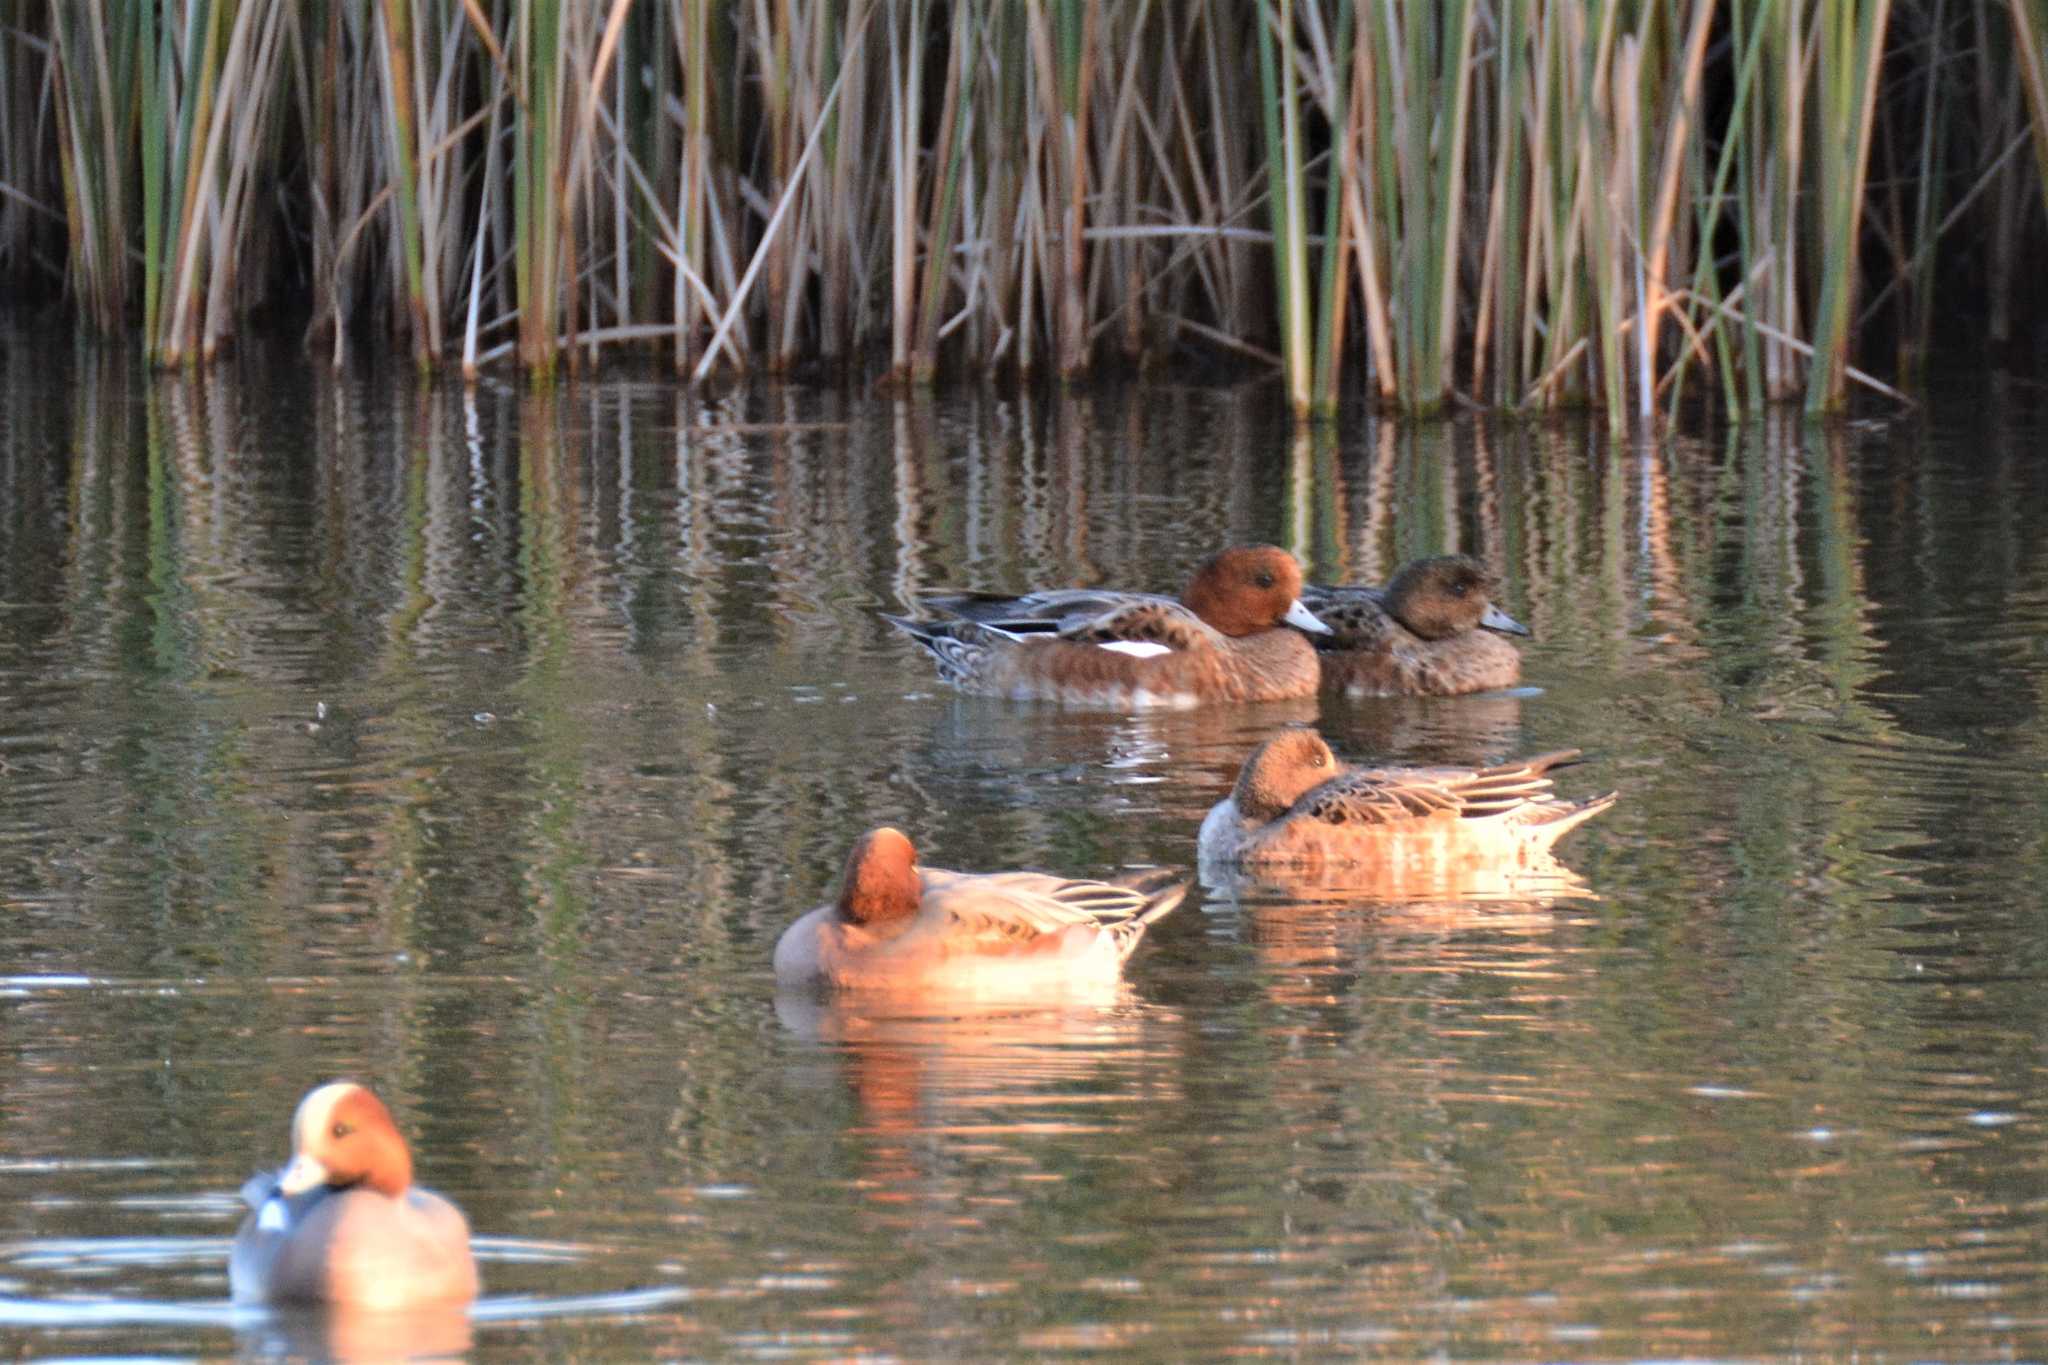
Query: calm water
[{"x": 479, "y": 746}]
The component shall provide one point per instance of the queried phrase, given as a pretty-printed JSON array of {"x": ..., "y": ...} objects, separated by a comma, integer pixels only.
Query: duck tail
[
  {"x": 1510, "y": 786},
  {"x": 959, "y": 646},
  {"x": 1541, "y": 764},
  {"x": 1570, "y": 815},
  {"x": 920, "y": 629},
  {"x": 1163, "y": 890}
]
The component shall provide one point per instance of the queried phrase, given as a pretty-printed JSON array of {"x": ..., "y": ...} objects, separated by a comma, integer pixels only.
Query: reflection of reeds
[{"x": 1520, "y": 204}]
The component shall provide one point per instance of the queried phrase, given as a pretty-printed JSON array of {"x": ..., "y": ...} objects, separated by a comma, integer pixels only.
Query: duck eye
[
  {"x": 1264, "y": 578},
  {"x": 341, "y": 1130}
]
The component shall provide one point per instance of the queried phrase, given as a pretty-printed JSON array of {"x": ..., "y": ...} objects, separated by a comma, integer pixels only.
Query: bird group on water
[{"x": 342, "y": 1224}]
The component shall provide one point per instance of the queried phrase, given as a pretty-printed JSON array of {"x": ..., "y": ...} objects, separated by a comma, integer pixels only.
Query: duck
[
  {"x": 898, "y": 926},
  {"x": 1432, "y": 631},
  {"x": 342, "y": 1223},
  {"x": 1238, "y": 633},
  {"x": 1295, "y": 805}
]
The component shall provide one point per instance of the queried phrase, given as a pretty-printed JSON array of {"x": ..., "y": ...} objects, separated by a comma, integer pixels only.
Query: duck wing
[
  {"x": 1082, "y": 615},
  {"x": 1387, "y": 795},
  {"x": 1019, "y": 907},
  {"x": 1357, "y": 616}
]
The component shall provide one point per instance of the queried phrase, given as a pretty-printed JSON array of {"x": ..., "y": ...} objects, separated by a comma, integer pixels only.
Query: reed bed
[{"x": 1514, "y": 204}]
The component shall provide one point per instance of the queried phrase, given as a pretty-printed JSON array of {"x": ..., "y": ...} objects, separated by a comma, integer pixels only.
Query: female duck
[
  {"x": 1433, "y": 631},
  {"x": 1232, "y": 636},
  {"x": 343, "y": 1223},
  {"x": 898, "y": 926},
  {"x": 1295, "y": 805}
]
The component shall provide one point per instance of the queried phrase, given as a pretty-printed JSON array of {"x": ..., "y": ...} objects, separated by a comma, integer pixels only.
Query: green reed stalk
[
  {"x": 1366, "y": 238},
  {"x": 94, "y": 63},
  {"x": 1932, "y": 171},
  {"x": 1711, "y": 208},
  {"x": 1286, "y": 200},
  {"x": 807, "y": 28},
  {"x": 1502, "y": 289},
  {"x": 906, "y": 85},
  {"x": 404, "y": 165},
  {"x": 1333, "y": 290},
  {"x": 536, "y": 181},
  {"x": 1678, "y": 150},
  {"x": 241, "y": 140},
  {"x": 1002, "y": 127},
  {"x": 1560, "y": 168},
  {"x": 1064, "y": 46},
  {"x": 938, "y": 234},
  {"x": 771, "y": 34},
  {"x": 838, "y": 215},
  {"x": 692, "y": 303},
  {"x": 1776, "y": 230},
  {"x": 1392, "y": 141},
  {"x": 2030, "y": 56},
  {"x": 1453, "y": 88},
  {"x": 199, "y": 83},
  {"x": 1851, "y": 39},
  {"x": 1123, "y": 285},
  {"x": 1422, "y": 108},
  {"x": 154, "y": 144},
  {"x": 1755, "y": 157},
  {"x": 1604, "y": 118}
]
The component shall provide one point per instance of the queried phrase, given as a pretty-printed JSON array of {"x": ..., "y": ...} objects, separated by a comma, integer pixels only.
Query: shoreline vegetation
[{"x": 1510, "y": 204}]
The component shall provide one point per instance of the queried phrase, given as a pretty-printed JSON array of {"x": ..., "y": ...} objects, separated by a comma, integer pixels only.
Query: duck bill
[
  {"x": 1301, "y": 618},
  {"x": 303, "y": 1174},
  {"x": 1496, "y": 619}
]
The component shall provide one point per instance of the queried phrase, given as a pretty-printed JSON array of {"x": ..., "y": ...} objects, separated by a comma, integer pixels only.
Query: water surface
[{"x": 479, "y": 745}]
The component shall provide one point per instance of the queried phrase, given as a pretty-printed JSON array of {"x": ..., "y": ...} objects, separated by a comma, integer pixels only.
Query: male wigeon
[
  {"x": 1295, "y": 804},
  {"x": 343, "y": 1223},
  {"x": 897, "y": 926},
  {"x": 1234, "y": 635},
  {"x": 1432, "y": 631}
]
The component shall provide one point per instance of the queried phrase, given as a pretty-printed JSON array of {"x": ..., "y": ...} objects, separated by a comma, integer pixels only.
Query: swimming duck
[
  {"x": 1234, "y": 635},
  {"x": 1432, "y": 631},
  {"x": 896, "y": 925},
  {"x": 1295, "y": 804},
  {"x": 343, "y": 1223}
]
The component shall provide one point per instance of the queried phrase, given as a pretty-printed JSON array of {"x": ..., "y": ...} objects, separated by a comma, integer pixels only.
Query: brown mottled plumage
[
  {"x": 1430, "y": 632},
  {"x": 896, "y": 926},
  {"x": 1233, "y": 636},
  {"x": 1294, "y": 803}
]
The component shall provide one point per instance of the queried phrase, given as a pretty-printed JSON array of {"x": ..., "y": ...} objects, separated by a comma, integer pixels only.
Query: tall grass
[
  {"x": 2030, "y": 57},
  {"x": 1503, "y": 203}
]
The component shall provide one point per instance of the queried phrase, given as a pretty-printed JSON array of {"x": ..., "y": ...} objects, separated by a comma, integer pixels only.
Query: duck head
[
  {"x": 1250, "y": 588},
  {"x": 1448, "y": 595},
  {"x": 1280, "y": 772},
  {"x": 342, "y": 1135},
  {"x": 881, "y": 882}
]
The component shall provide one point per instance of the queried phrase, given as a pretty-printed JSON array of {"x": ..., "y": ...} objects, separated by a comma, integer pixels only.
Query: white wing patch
[{"x": 1137, "y": 649}]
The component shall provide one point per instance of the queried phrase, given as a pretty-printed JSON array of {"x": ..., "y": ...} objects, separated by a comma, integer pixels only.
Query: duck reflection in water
[
  {"x": 342, "y": 1332},
  {"x": 935, "y": 1087}
]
